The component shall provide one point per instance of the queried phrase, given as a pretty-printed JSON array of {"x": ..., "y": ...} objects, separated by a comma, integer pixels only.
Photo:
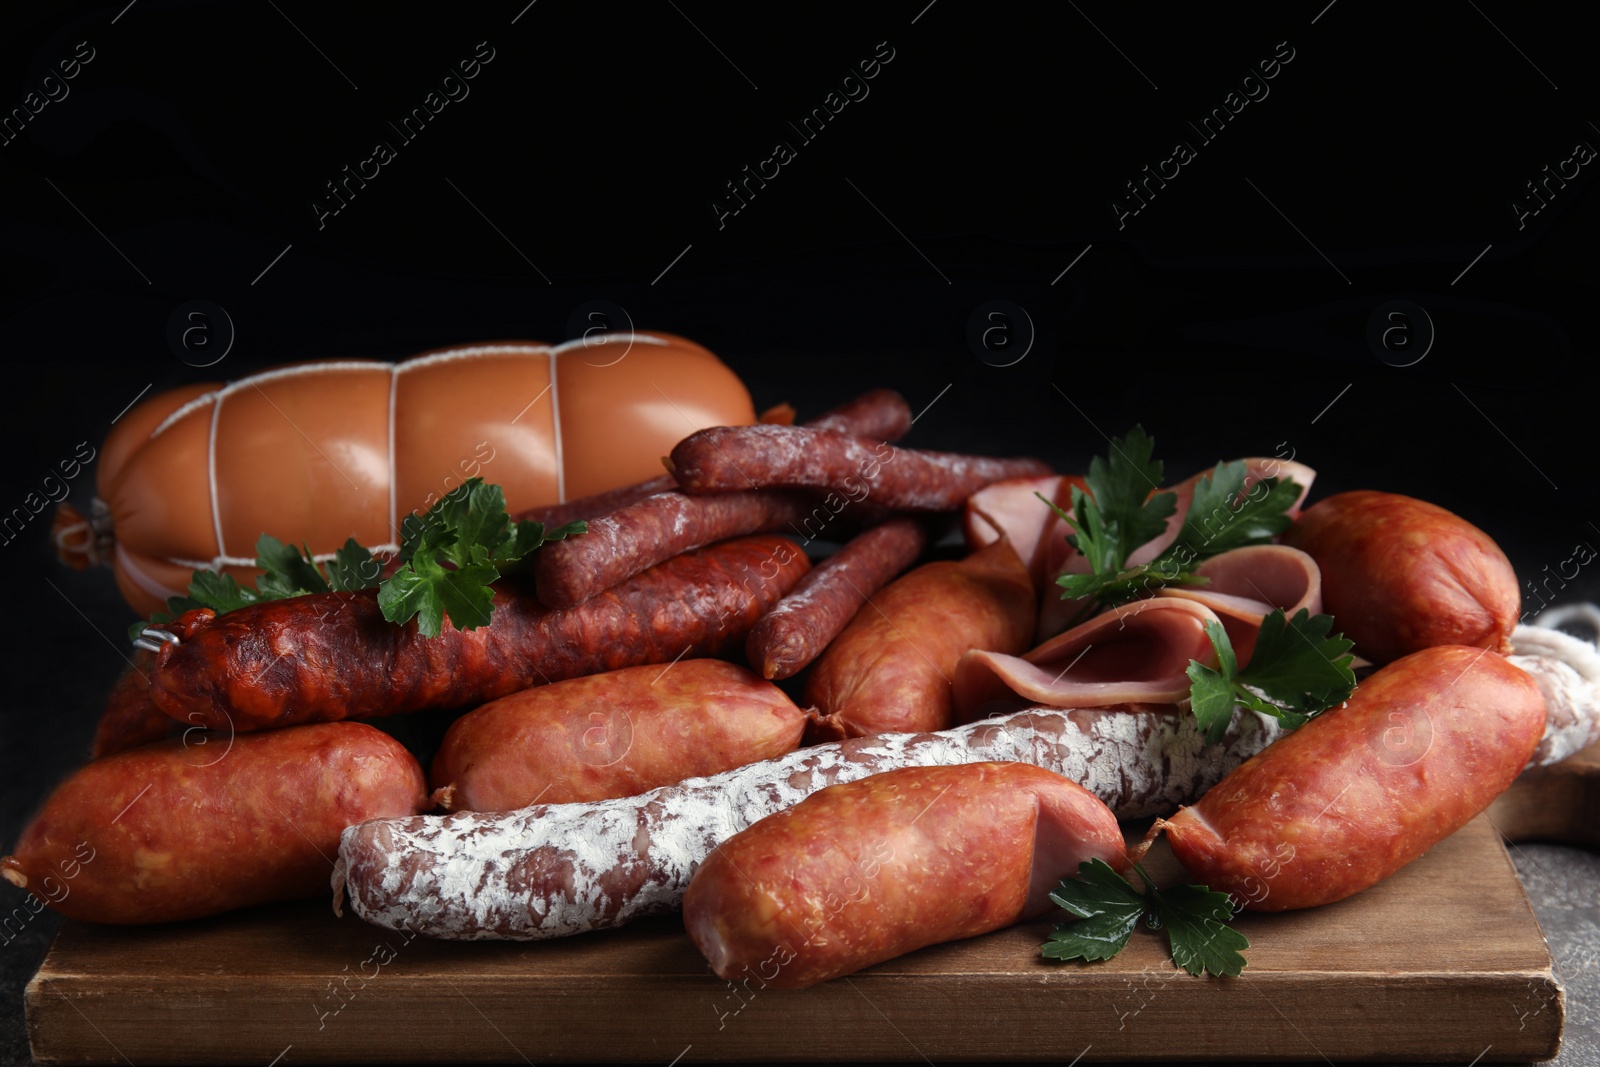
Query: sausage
[
  {"x": 725, "y": 458},
  {"x": 551, "y": 870},
  {"x": 891, "y": 668},
  {"x": 614, "y": 734},
  {"x": 793, "y": 634},
  {"x": 322, "y": 451},
  {"x": 586, "y": 508},
  {"x": 333, "y": 656},
  {"x": 177, "y": 830},
  {"x": 866, "y": 871},
  {"x": 642, "y": 534},
  {"x": 1360, "y": 791},
  {"x": 131, "y": 718},
  {"x": 880, "y": 413},
  {"x": 1401, "y": 574}
]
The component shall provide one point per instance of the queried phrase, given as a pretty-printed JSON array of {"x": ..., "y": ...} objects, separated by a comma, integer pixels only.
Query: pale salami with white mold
[{"x": 557, "y": 869}]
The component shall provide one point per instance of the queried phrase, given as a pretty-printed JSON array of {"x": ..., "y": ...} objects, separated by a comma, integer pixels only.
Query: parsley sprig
[
  {"x": 1296, "y": 671},
  {"x": 469, "y": 530},
  {"x": 1118, "y": 513},
  {"x": 1107, "y": 908},
  {"x": 450, "y": 555}
]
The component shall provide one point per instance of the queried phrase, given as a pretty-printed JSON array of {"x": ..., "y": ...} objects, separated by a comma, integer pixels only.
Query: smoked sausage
[
  {"x": 726, "y": 458},
  {"x": 880, "y": 413},
  {"x": 639, "y": 535},
  {"x": 795, "y": 632},
  {"x": 1401, "y": 574},
  {"x": 613, "y": 734},
  {"x": 131, "y": 718},
  {"x": 333, "y": 655},
  {"x": 869, "y": 870},
  {"x": 890, "y": 670},
  {"x": 179, "y": 829},
  {"x": 1422, "y": 746},
  {"x": 321, "y": 451}
]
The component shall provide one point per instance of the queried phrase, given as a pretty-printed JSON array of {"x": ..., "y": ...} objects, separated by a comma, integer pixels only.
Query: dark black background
[{"x": 1230, "y": 316}]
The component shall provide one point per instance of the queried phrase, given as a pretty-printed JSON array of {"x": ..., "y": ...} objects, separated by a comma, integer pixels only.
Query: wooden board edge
[{"x": 890, "y": 1018}]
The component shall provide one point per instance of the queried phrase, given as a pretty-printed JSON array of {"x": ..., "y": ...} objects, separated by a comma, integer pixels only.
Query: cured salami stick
[
  {"x": 881, "y": 413},
  {"x": 725, "y": 458},
  {"x": 334, "y": 656},
  {"x": 791, "y": 635},
  {"x": 642, "y": 534},
  {"x": 553, "y": 870}
]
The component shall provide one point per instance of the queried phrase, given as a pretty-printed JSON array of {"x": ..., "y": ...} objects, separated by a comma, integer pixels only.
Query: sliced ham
[
  {"x": 1140, "y": 652},
  {"x": 1055, "y": 614},
  {"x": 1248, "y": 583},
  {"x": 1133, "y": 654},
  {"x": 1012, "y": 508}
]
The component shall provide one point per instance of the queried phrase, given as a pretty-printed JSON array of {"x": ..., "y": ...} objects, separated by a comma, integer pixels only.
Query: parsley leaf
[
  {"x": 1118, "y": 514},
  {"x": 286, "y": 572},
  {"x": 451, "y": 554},
  {"x": 1193, "y": 916},
  {"x": 469, "y": 530},
  {"x": 1223, "y": 515},
  {"x": 1296, "y": 671},
  {"x": 1108, "y": 908}
]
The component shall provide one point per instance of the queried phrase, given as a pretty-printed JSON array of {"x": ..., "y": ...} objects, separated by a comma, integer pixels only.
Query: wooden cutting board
[{"x": 1443, "y": 962}]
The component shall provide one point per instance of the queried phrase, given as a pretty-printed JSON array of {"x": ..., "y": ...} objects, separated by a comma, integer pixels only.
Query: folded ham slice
[
  {"x": 1140, "y": 652},
  {"x": 1012, "y": 508},
  {"x": 1061, "y": 558}
]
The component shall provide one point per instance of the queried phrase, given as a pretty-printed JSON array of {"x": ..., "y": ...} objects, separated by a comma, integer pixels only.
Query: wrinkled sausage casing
[
  {"x": 614, "y": 734},
  {"x": 890, "y": 670},
  {"x": 1361, "y": 790},
  {"x": 1401, "y": 574},
  {"x": 174, "y": 831},
  {"x": 795, "y": 632},
  {"x": 869, "y": 870},
  {"x": 334, "y": 656}
]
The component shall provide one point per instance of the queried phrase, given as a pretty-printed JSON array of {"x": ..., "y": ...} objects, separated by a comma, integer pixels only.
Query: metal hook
[{"x": 151, "y": 639}]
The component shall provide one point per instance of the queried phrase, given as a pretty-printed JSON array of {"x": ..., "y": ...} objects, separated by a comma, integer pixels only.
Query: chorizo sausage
[
  {"x": 131, "y": 718},
  {"x": 176, "y": 830},
  {"x": 726, "y": 458},
  {"x": 866, "y": 871},
  {"x": 613, "y": 734},
  {"x": 322, "y": 451},
  {"x": 890, "y": 670},
  {"x": 333, "y": 655},
  {"x": 552, "y": 870},
  {"x": 794, "y": 633},
  {"x": 1401, "y": 574},
  {"x": 1422, "y": 746}
]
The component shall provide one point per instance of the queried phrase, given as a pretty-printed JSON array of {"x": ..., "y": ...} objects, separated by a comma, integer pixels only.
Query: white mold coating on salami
[{"x": 557, "y": 869}]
